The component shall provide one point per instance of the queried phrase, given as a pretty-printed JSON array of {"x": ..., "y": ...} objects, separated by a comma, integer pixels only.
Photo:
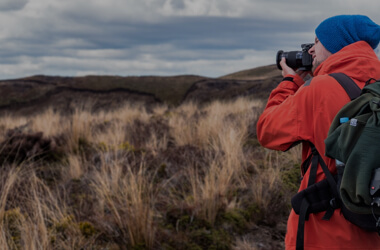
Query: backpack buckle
[{"x": 334, "y": 203}]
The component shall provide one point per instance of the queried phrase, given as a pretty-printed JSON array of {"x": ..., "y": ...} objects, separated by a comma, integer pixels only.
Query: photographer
[{"x": 301, "y": 112}]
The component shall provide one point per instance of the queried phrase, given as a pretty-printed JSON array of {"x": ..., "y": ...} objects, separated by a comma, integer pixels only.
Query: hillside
[
  {"x": 35, "y": 93},
  {"x": 259, "y": 73},
  {"x": 141, "y": 175}
]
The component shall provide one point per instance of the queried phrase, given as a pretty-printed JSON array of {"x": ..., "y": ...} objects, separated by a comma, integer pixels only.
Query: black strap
[
  {"x": 303, "y": 216},
  {"x": 311, "y": 160},
  {"x": 306, "y": 163},
  {"x": 353, "y": 91},
  {"x": 316, "y": 159},
  {"x": 370, "y": 80},
  {"x": 288, "y": 79},
  {"x": 348, "y": 84},
  {"x": 314, "y": 165},
  {"x": 304, "y": 210},
  {"x": 334, "y": 202},
  {"x": 329, "y": 177},
  {"x": 330, "y": 210}
]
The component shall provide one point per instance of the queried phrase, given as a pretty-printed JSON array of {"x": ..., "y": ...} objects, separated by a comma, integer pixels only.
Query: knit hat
[{"x": 339, "y": 31}]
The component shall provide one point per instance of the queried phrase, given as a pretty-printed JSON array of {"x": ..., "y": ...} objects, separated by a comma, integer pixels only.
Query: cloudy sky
[{"x": 157, "y": 37}]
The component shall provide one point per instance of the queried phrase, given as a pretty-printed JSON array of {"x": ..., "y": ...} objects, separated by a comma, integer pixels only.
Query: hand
[{"x": 286, "y": 70}]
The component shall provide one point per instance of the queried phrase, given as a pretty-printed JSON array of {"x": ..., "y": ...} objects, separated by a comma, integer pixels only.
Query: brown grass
[{"x": 190, "y": 177}]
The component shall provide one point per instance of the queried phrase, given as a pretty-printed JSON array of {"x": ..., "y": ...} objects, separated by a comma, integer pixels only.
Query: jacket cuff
[{"x": 295, "y": 79}]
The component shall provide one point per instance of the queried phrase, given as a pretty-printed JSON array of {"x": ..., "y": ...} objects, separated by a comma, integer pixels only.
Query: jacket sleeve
[
  {"x": 279, "y": 125},
  {"x": 298, "y": 111}
]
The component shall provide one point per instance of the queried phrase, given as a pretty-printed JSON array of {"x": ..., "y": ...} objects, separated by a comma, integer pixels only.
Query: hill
[
  {"x": 35, "y": 93},
  {"x": 173, "y": 176},
  {"x": 259, "y": 73}
]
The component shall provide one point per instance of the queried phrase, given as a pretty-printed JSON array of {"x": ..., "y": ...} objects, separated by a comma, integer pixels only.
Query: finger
[
  {"x": 286, "y": 70},
  {"x": 283, "y": 63}
]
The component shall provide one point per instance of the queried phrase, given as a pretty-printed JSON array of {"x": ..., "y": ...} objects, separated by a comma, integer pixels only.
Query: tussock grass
[
  {"x": 130, "y": 199},
  {"x": 189, "y": 177}
]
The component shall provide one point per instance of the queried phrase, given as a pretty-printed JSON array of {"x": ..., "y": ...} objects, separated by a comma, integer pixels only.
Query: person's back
[{"x": 302, "y": 112}]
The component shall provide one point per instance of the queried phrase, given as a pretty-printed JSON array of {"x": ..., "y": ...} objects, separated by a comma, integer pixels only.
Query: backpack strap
[
  {"x": 315, "y": 159},
  {"x": 314, "y": 193},
  {"x": 353, "y": 91}
]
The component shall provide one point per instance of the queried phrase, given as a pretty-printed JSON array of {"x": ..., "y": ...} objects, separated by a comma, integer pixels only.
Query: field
[{"x": 186, "y": 177}]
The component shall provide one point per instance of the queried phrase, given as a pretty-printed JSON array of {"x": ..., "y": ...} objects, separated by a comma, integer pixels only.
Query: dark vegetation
[
  {"x": 36, "y": 93},
  {"x": 91, "y": 210}
]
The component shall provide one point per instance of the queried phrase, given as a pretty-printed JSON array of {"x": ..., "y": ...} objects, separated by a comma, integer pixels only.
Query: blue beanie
[{"x": 339, "y": 31}]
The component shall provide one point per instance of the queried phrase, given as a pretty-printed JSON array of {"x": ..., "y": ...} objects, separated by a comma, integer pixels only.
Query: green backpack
[{"x": 354, "y": 141}]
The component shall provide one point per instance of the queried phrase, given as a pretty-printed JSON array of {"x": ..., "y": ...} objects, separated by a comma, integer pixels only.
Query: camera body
[{"x": 301, "y": 60}]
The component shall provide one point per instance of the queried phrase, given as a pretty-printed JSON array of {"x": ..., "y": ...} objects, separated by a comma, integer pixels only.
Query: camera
[{"x": 301, "y": 60}]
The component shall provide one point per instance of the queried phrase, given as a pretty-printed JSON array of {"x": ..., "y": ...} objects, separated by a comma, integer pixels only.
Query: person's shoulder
[
  {"x": 322, "y": 82},
  {"x": 321, "y": 87}
]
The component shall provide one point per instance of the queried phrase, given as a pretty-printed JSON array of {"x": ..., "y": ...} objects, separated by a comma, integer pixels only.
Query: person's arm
[{"x": 279, "y": 125}]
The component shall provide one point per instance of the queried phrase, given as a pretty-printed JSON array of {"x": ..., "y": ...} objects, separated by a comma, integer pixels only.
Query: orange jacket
[{"x": 303, "y": 112}]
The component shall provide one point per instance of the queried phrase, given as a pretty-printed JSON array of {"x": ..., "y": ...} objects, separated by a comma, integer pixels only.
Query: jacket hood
[{"x": 353, "y": 60}]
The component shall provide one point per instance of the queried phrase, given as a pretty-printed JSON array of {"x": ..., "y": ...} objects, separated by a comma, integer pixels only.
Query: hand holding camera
[
  {"x": 300, "y": 60},
  {"x": 294, "y": 62}
]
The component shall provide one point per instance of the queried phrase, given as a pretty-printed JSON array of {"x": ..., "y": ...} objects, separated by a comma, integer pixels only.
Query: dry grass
[
  {"x": 129, "y": 197},
  {"x": 244, "y": 244},
  {"x": 190, "y": 177}
]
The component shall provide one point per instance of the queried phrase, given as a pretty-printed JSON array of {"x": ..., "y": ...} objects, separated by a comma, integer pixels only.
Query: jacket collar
[{"x": 352, "y": 60}]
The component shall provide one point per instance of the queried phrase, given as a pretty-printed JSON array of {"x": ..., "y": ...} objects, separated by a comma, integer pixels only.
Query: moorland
[{"x": 144, "y": 162}]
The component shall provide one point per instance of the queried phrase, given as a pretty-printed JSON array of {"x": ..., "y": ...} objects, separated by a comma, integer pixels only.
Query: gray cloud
[
  {"x": 12, "y": 5},
  {"x": 178, "y": 4},
  {"x": 164, "y": 37}
]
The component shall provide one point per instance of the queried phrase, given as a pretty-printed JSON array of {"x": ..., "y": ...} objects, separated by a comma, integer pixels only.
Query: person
[{"x": 301, "y": 112}]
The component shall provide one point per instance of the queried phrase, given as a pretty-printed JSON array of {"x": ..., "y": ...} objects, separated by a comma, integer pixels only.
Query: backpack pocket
[
  {"x": 339, "y": 144},
  {"x": 318, "y": 196}
]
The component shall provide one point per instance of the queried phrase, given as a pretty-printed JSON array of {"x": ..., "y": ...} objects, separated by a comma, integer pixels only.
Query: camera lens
[
  {"x": 278, "y": 59},
  {"x": 293, "y": 59}
]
